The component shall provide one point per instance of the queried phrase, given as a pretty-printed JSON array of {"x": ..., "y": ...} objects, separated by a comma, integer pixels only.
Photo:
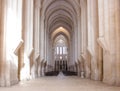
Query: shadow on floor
[{"x": 56, "y": 73}]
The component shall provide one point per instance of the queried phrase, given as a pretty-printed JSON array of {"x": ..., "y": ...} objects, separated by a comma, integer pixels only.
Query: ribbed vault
[
  {"x": 60, "y": 18},
  {"x": 59, "y": 13}
]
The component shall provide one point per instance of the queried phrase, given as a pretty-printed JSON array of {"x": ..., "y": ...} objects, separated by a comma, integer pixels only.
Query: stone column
[
  {"x": 89, "y": 21},
  {"x": 109, "y": 35},
  {"x": 76, "y": 42},
  {"x": 45, "y": 44},
  {"x": 101, "y": 39},
  {"x": 93, "y": 32},
  {"x": 84, "y": 60},
  {"x": 39, "y": 66},
  {"x": 79, "y": 35},
  {"x": 27, "y": 26},
  {"x": 9, "y": 70},
  {"x": 36, "y": 33},
  {"x": 36, "y": 28},
  {"x": 2, "y": 44},
  {"x": 78, "y": 68},
  {"x": 42, "y": 37},
  {"x": 117, "y": 23},
  {"x": 109, "y": 22}
]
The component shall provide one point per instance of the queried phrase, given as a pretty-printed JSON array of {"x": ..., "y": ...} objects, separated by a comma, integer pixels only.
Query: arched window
[{"x": 60, "y": 47}]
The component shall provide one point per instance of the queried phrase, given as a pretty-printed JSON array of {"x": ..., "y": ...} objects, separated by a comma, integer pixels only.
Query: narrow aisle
[{"x": 61, "y": 83}]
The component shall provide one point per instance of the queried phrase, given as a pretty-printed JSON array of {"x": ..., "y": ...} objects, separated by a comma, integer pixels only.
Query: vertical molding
[
  {"x": 109, "y": 36},
  {"x": 117, "y": 46},
  {"x": 2, "y": 42}
]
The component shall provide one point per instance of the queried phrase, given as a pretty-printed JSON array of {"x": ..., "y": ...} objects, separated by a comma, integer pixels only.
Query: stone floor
[{"x": 61, "y": 83}]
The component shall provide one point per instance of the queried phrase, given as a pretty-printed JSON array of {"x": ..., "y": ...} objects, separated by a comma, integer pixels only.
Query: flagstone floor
[{"x": 61, "y": 83}]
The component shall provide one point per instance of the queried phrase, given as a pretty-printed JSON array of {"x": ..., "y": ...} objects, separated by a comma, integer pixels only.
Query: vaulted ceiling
[{"x": 60, "y": 13}]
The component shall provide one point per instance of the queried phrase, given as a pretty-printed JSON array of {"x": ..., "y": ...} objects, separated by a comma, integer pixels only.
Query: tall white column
[
  {"x": 109, "y": 53},
  {"x": 27, "y": 37},
  {"x": 85, "y": 41},
  {"x": 109, "y": 39},
  {"x": 42, "y": 38},
  {"x": 29, "y": 27},
  {"x": 79, "y": 38},
  {"x": 37, "y": 28},
  {"x": 11, "y": 33},
  {"x": 2, "y": 44},
  {"x": 76, "y": 42},
  {"x": 117, "y": 25},
  {"x": 36, "y": 36},
  {"x": 93, "y": 34}
]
